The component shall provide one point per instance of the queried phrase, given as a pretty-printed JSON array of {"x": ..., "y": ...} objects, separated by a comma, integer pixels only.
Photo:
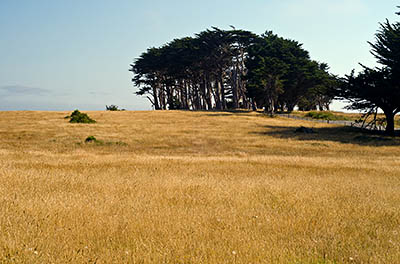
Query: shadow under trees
[{"x": 346, "y": 135}]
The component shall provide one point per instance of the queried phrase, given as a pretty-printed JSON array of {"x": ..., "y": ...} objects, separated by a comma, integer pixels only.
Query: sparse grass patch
[
  {"x": 94, "y": 140},
  {"x": 119, "y": 143}
]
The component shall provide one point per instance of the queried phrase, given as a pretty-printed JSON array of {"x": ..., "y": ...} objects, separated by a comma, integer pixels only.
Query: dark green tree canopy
[
  {"x": 282, "y": 75},
  {"x": 386, "y": 47},
  {"x": 221, "y": 69}
]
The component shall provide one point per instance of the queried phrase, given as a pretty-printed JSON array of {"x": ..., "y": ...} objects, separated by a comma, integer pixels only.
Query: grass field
[{"x": 195, "y": 187}]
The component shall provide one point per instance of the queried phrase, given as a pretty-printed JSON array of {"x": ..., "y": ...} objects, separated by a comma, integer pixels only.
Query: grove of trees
[{"x": 227, "y": 69}]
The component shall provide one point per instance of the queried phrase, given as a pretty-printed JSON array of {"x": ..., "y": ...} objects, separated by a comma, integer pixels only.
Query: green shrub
[
  {"x": 325, "y": 115},
  {"x": 78, "y": 117},
  {"x": 113, "y": 108},
  {"x": 90, "y": 139}
]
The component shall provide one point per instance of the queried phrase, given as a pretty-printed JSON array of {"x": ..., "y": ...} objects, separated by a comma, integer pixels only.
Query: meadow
[{"x": 195, "y": 187}]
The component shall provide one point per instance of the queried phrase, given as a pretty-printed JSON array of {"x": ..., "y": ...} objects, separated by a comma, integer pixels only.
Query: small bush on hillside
[
  {"x": 325, "y": 116},
  {"x": 94, "y": 140},
  {"x": 78, "y": 117},
  {"x": 90, "y": 139},
  {"x": 113, "y": 108}
]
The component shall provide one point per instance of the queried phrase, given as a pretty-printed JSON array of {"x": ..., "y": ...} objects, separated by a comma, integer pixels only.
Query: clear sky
[{"x": 63, "y": 55}]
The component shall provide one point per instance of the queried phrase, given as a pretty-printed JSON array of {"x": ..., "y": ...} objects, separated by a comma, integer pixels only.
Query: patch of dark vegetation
[
  {"x": 95, "y": 141},
  {"x": 113, "y": 108},
  {"x": 324, "y": 115},
  {"x": 316, "y": 144},
  {"x": 118, "y": 143},
  {"x": 78, "y": 117},
  {"x": 90, "y": 139}
]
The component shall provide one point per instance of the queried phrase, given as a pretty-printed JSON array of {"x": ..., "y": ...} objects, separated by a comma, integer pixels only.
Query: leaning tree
[{"x": 378, "y": 88}]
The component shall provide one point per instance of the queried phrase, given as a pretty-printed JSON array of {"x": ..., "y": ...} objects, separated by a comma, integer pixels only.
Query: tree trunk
[
  {"x": 208, "y": 90},
  {"x": 223, "y": 100},
  {"x": 187, "y": 93},
  {"x": 389, "y": 123},
  {"x": 169, "y": 97},
  {"x": 155, "y": 97},
  {"x": 182, "y": 95},
  {"x": 203, "y": 89},
  {"x": 218, "y": 95},
  {"x": 235, "y": 88},
  {"x": 253, "y": 104}
]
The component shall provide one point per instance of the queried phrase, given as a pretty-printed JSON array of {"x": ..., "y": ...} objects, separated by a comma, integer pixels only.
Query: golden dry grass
[{"x": 194, "y": 187}]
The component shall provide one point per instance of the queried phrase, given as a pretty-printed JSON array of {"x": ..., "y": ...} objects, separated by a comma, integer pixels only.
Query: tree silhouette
[
  {"x": 386, "y": 48},
  {"x": 379, "y": 87},
  {"x": 221, "y": 69},
  {"x": 281, "y": 75}
]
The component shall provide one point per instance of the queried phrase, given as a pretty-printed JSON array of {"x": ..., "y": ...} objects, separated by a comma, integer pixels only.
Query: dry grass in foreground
[{"x": 194, "y": 187}]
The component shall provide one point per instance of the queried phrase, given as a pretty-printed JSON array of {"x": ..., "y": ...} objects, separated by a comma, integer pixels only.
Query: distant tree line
[{"x": 227, "y": 69}]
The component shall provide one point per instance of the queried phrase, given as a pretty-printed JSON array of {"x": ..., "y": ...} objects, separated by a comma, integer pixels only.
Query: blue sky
[{"x": 63, "y": 55}]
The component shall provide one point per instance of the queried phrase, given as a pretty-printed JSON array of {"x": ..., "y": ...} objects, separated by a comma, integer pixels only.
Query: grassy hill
[{"x": 195, "y": 187}]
